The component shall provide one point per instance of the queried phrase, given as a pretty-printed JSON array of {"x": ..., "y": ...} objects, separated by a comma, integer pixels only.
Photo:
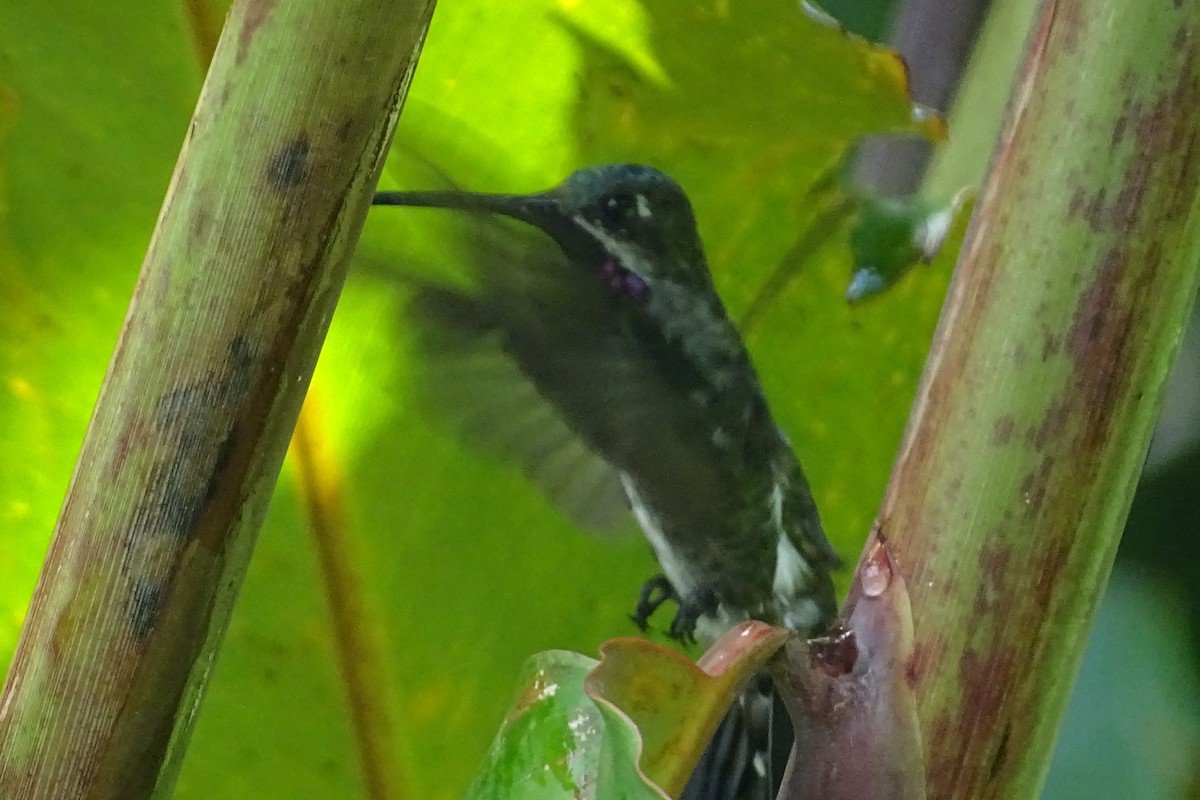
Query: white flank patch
[
  {"x": 793, "y": 575},
  {"x": 777, "y": 509},
  {"x": 790, "y": 571}
]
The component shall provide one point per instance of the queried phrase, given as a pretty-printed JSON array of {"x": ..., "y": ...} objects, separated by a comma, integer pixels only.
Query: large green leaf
[
  {"x": 453, "y": 569},
  {"x": 1134, "y": 739},
  {"x": 89, "y": 130}
]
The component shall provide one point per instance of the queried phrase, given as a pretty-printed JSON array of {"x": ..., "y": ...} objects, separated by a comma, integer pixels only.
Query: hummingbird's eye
[
  {"x": 622, "y": 211},
  {"x": 618, "y": 209}
]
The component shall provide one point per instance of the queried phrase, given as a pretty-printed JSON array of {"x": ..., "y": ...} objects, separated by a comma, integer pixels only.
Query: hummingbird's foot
[
  {"x": 697, "y": 605},
  {"x": 655, "y": 592}
]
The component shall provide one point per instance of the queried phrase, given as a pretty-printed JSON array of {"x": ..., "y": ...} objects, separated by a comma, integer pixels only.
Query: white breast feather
[{"x": 678, "y": 572}]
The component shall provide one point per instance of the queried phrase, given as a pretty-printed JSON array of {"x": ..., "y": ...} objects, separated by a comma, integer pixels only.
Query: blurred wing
[
  {"x": 474, "y": 385},
  {"x": 600, "y": 385},
  {"x": 541, "y": 365}
]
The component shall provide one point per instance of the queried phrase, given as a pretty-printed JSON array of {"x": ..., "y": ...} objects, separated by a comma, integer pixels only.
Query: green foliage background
[{"x": 465, "y": 569}]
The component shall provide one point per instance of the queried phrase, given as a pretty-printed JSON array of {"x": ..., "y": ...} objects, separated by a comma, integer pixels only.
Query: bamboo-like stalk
[
  {"x": 1036, "y": 408},
  {"x": 191, "y": 426}
]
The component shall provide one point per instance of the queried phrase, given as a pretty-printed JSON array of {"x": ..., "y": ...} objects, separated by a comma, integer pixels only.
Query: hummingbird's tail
[{"x": 747, "y": 754}]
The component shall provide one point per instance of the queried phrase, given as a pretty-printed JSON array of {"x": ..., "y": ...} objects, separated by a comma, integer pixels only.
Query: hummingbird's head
[
  {"x": 630, "y": 223},
  {"x": 632, "y": 215}
]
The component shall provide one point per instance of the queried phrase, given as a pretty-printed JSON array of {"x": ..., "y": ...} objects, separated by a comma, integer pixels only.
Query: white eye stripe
[
  {"x": 623, "y": 251},
  {"x": 643, "y": 206}
]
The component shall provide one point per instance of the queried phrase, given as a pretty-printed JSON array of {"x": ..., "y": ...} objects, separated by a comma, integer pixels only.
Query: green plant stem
[
  {"x": 203, "y": 391},
  {"x": 1037, "y": 404},
  {"x": 360, "y": 642}
]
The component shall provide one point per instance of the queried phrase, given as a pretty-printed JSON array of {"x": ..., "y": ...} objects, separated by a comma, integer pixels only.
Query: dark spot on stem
[
  {"x": 1051, "y": 345},
  {"x": 288, "y": 167},
  {"x": 241, "y": 354},
  {"x": 224, "y": 456},
  {"x": 199, "y": 419},
  {"x": 1002, "y": 430},
  {"x": 1054, "y": 423},
  {"x": 144, "y": 604},
  {"x": 201, "y": 217}
]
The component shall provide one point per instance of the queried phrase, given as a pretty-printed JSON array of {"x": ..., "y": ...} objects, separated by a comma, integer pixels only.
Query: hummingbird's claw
[
  {"x": 683, "y": 627},
  {"x": 659, "y": 590},
  {"x": 654, "y": 593}
]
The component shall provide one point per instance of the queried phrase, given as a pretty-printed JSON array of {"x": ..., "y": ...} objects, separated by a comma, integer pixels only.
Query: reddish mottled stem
[{"x": 1036, "y": 407}]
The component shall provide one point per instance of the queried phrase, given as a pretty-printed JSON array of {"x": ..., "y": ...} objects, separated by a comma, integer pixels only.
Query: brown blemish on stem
[
  {"x": 1101, "y": 305},
  {"x": 1051, "y": 345},
  {"x": 198, "y": 225},
  {"x": 181, "y": 484},
  {"x": 1002, "y": 430},
  {"x": 988, "y": 673},
  {"x": 925, "y": 654},
  {"x": 256, "y": 14},
  {"x": 145, "y": 601}
]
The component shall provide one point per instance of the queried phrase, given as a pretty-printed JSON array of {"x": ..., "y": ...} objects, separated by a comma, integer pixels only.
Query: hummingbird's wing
[
  {"x": 626, "y": 383},
  {"x": 472, "y": 384},
  {"x": 538, "y": 360}
]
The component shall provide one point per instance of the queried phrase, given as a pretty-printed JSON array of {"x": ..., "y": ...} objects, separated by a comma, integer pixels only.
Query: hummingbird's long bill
[{"x": 536, "y": 209}]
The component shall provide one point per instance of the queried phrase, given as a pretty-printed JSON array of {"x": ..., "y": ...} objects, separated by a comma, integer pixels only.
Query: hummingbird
[{"x": 637, "y": 394}]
